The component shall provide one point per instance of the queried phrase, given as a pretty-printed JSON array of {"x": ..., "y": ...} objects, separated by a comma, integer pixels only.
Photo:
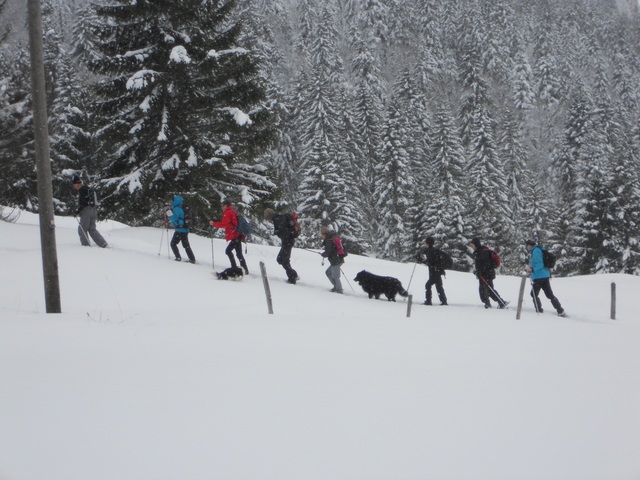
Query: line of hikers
[
  {"x": 485, "y": 263},
  {"x": 287, "y": 228}
]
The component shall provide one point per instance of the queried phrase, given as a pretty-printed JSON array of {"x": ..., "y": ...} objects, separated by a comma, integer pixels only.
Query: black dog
[
  {"x": 375, "y": 285},
  {"x": 231, "y": 273}
]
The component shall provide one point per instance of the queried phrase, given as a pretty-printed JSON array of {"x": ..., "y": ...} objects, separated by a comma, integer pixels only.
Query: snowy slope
[{"x": 155, "y": 370}]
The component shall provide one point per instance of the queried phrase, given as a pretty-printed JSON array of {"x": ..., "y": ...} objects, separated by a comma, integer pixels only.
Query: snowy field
[{"x": 157, "y": 371}]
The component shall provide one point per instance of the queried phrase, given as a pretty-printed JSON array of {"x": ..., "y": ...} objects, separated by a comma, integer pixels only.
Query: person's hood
[{"x": 177, "y": 201}]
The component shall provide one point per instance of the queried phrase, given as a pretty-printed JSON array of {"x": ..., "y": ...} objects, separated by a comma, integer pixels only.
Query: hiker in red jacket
[{"x": 230, "y": 224}]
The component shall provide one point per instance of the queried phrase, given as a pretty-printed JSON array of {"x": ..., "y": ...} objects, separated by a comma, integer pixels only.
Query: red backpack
[
  {"x": 495, "y": 258},
  {"x": 338, "y": 243}
]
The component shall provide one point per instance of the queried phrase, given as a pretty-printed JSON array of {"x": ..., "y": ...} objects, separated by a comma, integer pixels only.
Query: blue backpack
[{"x": 244, "y": 227}]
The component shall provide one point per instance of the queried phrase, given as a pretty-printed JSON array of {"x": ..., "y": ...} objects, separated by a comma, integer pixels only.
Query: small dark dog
[
  {"x": 231, "y": 273},
  {"x": 375, "y": 286}
]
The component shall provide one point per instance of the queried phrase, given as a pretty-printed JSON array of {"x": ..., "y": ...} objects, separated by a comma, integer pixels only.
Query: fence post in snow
[
  {"x": 521, "y": 297},
  {"x": 613, "y": 300},
  {"x": 267, "y": 289},
  {"x": 409, "y": 300}
]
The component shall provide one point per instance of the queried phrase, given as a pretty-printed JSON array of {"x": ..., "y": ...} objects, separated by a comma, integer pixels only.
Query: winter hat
[
  {"x": 530, "y": 241},
  {"x": 269, "y": 213},
  {"x": 76, "y": 179},
  {"x": 226, "y": 203},
  {"x": 325, "y": 230},
  {"x": 429, "y": 241},
  {"x": 475, "y": 241}
]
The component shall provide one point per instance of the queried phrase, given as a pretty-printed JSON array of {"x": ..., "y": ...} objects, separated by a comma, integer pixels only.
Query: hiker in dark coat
[
  {"x": 284, "y": 228},
  {"x": 540, "y": 276},
  {"x": 486, "y": 273},
  {"x": 331, "y": 253},
  {"x": 88, "y": 215},
  {"x": 429, "y": 257},
  {"x": 230, "y": 224}
]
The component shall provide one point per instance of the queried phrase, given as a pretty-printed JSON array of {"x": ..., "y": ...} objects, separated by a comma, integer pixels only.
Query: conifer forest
[{"x": 387, "y": 120}]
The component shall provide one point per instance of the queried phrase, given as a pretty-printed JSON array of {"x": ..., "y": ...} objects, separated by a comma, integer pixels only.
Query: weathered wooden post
[
  {"x": 267, "y": 289},
  {"x": 409, "y": 301},
  {"x": 613, "y": 300},
  {"x": 521, "y": 297}
]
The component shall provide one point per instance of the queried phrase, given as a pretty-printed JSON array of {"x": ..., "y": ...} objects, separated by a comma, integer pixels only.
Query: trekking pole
[
  {"x": 536, "y": 304},
  {"x": 412, "y": 272},
  {"x": 84, "y": 232},
  {"x": 213, "y": 263},
  {"x": 161, "y": 240},
  {"x": 492, "y": 290},
  {"x": 348, "y": 282}
]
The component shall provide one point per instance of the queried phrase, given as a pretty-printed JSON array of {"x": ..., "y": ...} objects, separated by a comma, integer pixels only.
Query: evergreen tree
[
  {"x": 393, "y": 184},
  {"x": 17, "y": 157},
  {"x": 180, "y": 107},
  {"x": 367, "y": 118},
  {"x": 323, "y": 195},
  {"x": 445, "y": 213}
]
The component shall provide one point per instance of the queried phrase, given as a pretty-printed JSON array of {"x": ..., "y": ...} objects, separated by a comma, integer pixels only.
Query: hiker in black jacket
[
  {"x": 88, "y": 215},
  {"x": 485, "y": 272},
  {"x": 284, "y": 228},
  {"x": 429, "y": 256}
]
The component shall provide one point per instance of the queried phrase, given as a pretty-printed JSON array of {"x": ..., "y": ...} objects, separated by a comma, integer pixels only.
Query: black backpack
[
  {"x": 548, "y": 258},
  {"x": 187, "y": 216},
  {"x": 443, "y": 260},
  {"x": 92, "y": 197}
]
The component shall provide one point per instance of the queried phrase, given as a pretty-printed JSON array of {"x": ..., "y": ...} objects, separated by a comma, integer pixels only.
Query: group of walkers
[
  {"x": 485, "y": 271},
  {"x": 285, "y": 227}
]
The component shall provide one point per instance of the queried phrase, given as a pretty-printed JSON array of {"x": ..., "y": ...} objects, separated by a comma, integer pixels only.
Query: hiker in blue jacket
[
  {"x": 176, "y": 216},
  {"x": 540, "y": 276}
]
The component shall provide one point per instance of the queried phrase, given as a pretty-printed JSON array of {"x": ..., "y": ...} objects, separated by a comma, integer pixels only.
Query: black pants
[
  {"x": 184, "y": 238},
  {"x": 284, "y": 257},
  {"x": 435, "y": 278},
  {"x": 545, "y": 285},
  {"x": 236, "y": 244},
  {"x": 487, "y": 291}
]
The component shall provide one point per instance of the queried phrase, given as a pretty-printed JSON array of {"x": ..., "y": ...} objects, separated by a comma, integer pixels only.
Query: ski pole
[
  {"x": 412, "y": 272},
  {"x": 167, "y": 230},
  {"x": 348, "y": 282},
  {"x": 161, "y": 240},
  {"x": 536, "y": 304},
  {"x": 213, "y": 263},
  {"x": 492, "y": 290},
  {"x": 84, "y": 232}
]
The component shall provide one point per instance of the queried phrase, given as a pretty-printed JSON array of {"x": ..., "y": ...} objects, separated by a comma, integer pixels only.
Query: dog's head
[{"x": 360, "y": 276}]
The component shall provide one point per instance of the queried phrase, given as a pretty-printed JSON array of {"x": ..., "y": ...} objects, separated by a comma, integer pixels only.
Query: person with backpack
[
  {"x": 284, "y": 227},
  {"x": 229, "y": 222},
  {"x": 435, "y": 259},
  {"x": 486, "y": 261},
  {"x": 176, "y": 216},
  {"x": 334, "y": 252},
  {"x": 540, "y": 278},
  {"x": 88, "y": 213}
]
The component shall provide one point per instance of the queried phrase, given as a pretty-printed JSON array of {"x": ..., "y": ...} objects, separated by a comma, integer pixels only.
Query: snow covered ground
[{"x": 157, "y": 371}]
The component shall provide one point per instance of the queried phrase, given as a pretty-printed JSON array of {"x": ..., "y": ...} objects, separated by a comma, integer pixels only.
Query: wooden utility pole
[{"x": 43, "y": 164}]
